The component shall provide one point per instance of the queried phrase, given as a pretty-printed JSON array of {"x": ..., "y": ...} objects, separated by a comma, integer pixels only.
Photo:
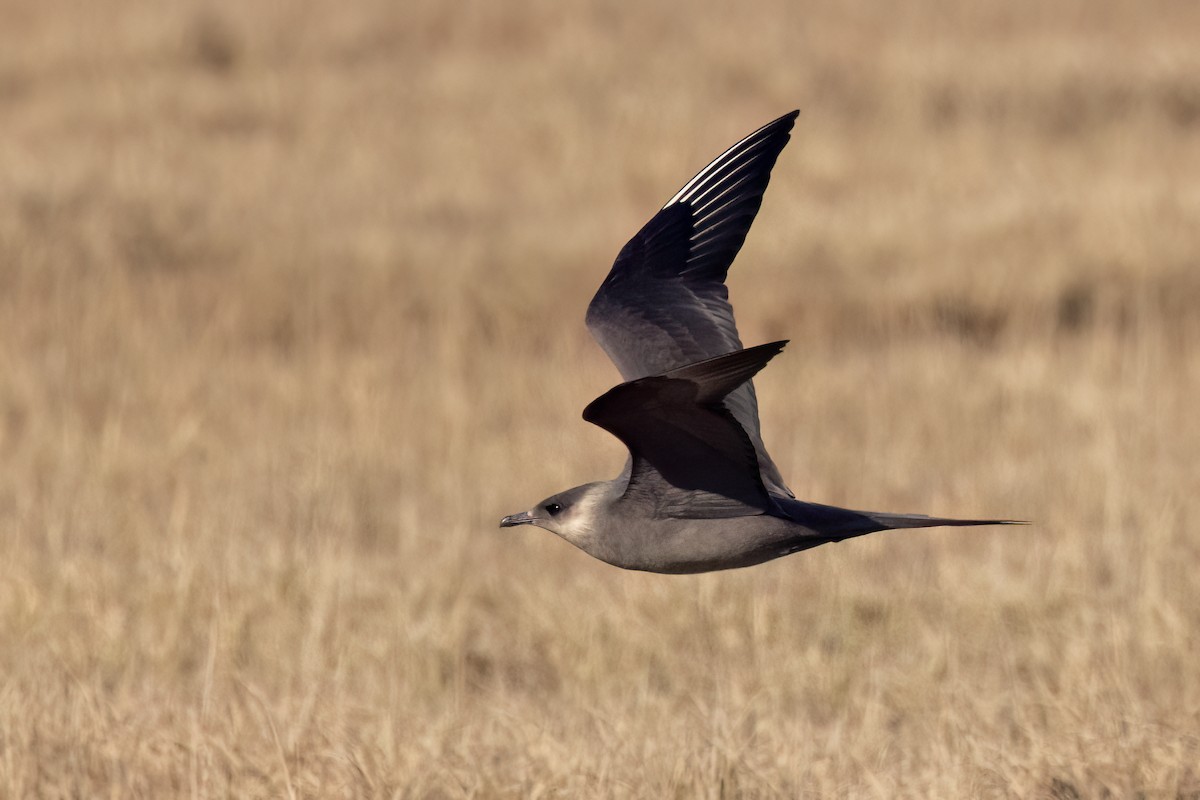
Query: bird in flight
[{"x": 699, "y": 491}]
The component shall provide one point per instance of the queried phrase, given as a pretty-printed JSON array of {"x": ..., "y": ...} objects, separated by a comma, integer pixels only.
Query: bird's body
[
  {"x": 625, "y": 538},
  {"x": 620, "y": 533},
  {"x": 699, "y": 492}
]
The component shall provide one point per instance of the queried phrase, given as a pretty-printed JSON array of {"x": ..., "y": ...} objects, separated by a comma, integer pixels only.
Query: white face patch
[{"x": 577, "y": 525}]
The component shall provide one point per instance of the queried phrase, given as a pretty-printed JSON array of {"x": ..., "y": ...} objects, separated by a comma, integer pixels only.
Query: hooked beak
[{"x": 516, "y": 519}]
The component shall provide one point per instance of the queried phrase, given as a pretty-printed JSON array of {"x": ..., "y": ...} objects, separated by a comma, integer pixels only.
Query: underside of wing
[{"x": 664, "y": 302}]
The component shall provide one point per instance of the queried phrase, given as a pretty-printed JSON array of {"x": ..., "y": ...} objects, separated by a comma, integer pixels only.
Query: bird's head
[{"x": 570, "y": 514}]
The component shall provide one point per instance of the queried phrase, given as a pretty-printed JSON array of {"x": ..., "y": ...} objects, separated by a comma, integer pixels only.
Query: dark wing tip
[
  {"x": 753, "y": 154},
  {"x": 758, "y": 355},
  {"x": 717, "y": 377},
  {"x": 789, "y": 117},
  {"x": 776, "y": 347},
  {"x": 783, "y": 124},
  {"x": 714, "y": 378}
]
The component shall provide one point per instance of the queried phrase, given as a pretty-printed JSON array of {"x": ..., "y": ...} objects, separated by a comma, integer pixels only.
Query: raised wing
[
  {"x": 689, "y": 456},
  {"x": 664, "y": 302}
]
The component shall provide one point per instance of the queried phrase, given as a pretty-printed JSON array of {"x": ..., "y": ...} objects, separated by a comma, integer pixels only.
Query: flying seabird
[{"x": 699, "y": 491}]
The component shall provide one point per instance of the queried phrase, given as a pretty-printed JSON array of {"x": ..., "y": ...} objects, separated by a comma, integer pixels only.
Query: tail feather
[
  {"x": 835, "y": 524},
  {"x": 893, "y": 521}
]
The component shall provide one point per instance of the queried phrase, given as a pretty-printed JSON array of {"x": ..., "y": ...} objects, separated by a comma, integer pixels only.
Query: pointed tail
[
  {"x": 893, "y": 521},
  {"x": 835, "y": 524}
]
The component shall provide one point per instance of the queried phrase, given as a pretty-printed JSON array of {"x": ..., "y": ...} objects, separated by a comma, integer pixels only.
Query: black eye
[{"x": 553, "y": 508}]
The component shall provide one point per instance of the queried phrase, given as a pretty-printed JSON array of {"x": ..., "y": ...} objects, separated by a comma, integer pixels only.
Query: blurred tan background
[{"x": 277, "y": 279}]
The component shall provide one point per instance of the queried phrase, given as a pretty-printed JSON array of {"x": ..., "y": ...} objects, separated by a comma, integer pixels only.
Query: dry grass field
[{"x": 278, "y": 280}]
